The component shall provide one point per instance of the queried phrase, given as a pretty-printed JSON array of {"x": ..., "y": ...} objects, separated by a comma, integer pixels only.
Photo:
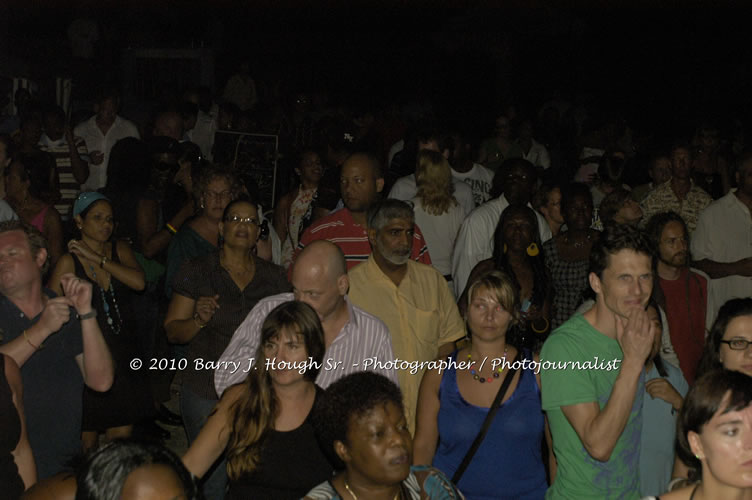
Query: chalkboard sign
[{"x": 250, "y": 155}]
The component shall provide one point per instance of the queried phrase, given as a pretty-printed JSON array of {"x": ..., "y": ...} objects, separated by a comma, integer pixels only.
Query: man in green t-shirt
[{"x": 592, "y": 374}]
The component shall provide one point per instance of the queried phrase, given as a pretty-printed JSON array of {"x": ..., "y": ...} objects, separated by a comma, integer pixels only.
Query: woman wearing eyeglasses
[
  {"x": 211, "y": 296},
  {"x": 727, "y": 347},
  {"x": 728, "y": 344},
  {"x": 215, "y": 189}
]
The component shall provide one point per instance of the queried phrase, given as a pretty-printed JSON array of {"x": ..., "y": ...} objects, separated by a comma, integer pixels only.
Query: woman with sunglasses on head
[
  {"x": 111, "y": 266},
  {"x": 212, "y": 294}
]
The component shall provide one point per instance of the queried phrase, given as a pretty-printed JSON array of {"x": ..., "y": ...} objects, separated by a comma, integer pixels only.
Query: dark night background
[{"x": 659, "y": 67}]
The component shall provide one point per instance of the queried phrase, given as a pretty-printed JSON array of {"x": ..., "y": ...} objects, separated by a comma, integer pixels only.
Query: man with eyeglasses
[
  {"x": 681, "y": 292},
  {"x": 513, "y": 184}
]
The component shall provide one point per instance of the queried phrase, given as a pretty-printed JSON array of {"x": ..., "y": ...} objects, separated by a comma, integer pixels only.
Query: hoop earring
[{"x": 533, "y": 250}]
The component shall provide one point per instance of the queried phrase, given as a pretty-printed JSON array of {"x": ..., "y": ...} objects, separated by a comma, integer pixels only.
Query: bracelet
[
  {"x": 197, "y": 320},
  {"x": 88, "y": 315},
  {"x": 36, "y": 347},
  {"x": 103, "y": 261},
  {"x": 170, "y": 228}
]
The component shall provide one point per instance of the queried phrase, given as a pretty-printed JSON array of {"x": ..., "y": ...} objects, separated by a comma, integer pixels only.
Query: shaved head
[
  {"x": 319, "y": 277},
  {"x": 325, "y": 255}
]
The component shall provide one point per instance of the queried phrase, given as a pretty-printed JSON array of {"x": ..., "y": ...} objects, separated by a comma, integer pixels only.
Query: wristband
[
  {"x": 171, "y": 228},
  {"x": 88, "y": 315}
]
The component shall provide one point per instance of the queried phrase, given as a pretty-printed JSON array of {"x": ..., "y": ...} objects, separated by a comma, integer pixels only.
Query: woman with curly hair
[
  {"x": 215, "y": 189},
  {"x": 518, "y": 252},
  {"x": 264, "y": 423},
  {"x": 128, "y": 469},
  {"x": 437, "y": 212},
  {"x": 361, "y": 421}
]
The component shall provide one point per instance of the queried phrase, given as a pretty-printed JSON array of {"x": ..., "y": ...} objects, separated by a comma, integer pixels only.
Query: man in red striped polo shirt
[{"x": 361, "y": 183}]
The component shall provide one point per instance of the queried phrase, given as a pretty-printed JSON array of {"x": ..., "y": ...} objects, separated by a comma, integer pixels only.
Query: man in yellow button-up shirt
[{"x": 413, "y": 299}]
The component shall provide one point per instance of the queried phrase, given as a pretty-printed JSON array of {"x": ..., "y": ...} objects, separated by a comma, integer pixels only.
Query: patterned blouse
[
  {"x": 300, "y": 208},
  {"x": 568, "y": 280},
  {"x": 663, "y": 199},
  {"x": 423, "y": 482}
]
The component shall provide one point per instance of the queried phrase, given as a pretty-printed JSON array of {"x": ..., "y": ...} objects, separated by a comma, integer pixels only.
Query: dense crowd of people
[{"x": 549, "y": 313}]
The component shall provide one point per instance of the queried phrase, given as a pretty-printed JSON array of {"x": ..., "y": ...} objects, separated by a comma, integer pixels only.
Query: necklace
[
  {"x": 106, "y": 305},
  {"x": 355, "y": 497},
  {"x": 241, "y": 270},
  {"x": 480, "y": 379},
  {"x": 577, "y": 244}
]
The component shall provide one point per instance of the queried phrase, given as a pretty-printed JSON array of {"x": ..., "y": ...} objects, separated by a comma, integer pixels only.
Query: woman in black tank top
[
  {"x": 112, "y": 268},
  {"x": 264, "y": 423}
]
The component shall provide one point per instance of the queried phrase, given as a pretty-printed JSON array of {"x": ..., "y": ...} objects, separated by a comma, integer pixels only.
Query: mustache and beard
[
  {"x": 678, "y": 259},
  {"x": 398, "y": 256}
]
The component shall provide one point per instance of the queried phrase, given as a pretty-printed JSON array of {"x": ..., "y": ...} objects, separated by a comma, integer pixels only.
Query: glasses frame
[{"x": 747, "y": 344}]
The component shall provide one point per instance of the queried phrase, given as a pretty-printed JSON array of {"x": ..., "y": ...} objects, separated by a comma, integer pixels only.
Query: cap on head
[{"x": 85, "y": 200}]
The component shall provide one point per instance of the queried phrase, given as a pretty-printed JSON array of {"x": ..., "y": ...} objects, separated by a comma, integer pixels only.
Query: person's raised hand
[
  {"x": 635, "y": 336},
  {"x": 77, "y": 291},
  {"x": 206, "y": 307},
  {"x": 662, "y": 389},
  {"x": 55, "y": 314},
  {"x": 80, "y": 249}
]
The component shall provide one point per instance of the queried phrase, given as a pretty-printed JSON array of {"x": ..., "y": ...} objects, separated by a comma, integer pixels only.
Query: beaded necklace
[
  {"x": 400, "y": 494},
  {"x": 106, "y": 305},
  {"x": 482, "y": 380}
]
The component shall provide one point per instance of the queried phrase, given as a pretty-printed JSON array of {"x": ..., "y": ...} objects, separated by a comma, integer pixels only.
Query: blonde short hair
[{"x": 501, "y": 287}]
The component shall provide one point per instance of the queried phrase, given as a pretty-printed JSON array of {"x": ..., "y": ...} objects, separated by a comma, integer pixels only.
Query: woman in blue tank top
[{"x": 453, "y": 404}]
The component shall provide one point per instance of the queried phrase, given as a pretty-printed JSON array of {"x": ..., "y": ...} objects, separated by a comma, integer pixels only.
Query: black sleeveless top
[
  {"x": 290, "y": 465},
  {"x": 11, "y": 484}
]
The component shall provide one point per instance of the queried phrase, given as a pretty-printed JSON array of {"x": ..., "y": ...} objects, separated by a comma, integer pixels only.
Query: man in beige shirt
[{"x": 413, "y": 299}]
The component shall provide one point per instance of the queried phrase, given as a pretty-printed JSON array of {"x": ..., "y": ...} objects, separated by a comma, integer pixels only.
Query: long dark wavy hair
[
  {"x": 253, "y": 415},
  {"x": 541, "y": 280}
]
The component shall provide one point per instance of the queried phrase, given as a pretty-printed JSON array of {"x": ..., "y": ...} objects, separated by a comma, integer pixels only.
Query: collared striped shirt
[
  {"x": 340, "y": 228},
  {"x": 362, "y": 344}
]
